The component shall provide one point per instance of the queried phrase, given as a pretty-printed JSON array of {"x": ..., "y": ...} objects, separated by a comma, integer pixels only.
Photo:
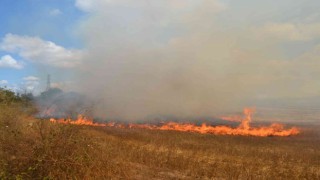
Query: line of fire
[
  {"x": 55, "y": 104},
  {"x": 244, "y": 128}
]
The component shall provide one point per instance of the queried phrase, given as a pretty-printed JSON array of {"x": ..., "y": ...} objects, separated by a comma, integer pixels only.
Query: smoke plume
[{"x": 146, "y": 58}]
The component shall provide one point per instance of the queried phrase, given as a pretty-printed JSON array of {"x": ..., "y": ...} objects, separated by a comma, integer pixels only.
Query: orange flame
[
  {"x": 82, "y": 120},
  {"x": 243, "y": 129}
]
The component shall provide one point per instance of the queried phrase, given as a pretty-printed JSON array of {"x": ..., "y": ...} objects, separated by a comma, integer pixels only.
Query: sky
[
  {"x": 28, "y": 26},
  {"x": 183, "y": 57}
]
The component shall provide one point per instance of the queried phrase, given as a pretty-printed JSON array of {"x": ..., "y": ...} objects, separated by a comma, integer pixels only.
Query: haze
[{"x": 186, "y": 58}]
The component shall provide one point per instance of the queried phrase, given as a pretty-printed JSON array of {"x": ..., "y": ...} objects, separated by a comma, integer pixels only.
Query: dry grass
[
  {"x": 189, "y": 156},
  {"x": 38, "y": 149}
]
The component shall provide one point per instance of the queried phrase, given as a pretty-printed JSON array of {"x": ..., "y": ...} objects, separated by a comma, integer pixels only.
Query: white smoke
[{"x": 172, "y": 57}]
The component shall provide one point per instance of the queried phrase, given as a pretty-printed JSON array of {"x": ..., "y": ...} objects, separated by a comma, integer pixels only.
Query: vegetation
[
  {"x": 7, "y": 97},
  {"x": 37, "y": 149}
]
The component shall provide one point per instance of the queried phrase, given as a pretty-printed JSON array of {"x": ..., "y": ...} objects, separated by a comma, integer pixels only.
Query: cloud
[
  {"x": 55, "y": 12},
  {"x": 3, "y": 82},
  {"x": 31, "y": 78},
  {"x": 85, "y": 5},
  {"x": 9, "y": 62},
  {"x": 36, "y": 50},
  {"x": 290, "y": 31},
  {"x": 30, "y": 83}
]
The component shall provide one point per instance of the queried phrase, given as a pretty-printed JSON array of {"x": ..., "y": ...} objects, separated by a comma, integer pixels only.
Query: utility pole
[{"x": 48, "y": 83}]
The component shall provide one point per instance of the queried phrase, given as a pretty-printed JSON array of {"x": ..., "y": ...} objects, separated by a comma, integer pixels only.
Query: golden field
[{"x": 38, "y": 149}]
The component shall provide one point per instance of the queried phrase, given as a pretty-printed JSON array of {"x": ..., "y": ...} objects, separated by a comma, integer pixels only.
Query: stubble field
[{"x": 37, "y": 149}]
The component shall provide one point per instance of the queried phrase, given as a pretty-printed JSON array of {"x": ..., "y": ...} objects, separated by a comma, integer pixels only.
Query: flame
[
  {"x": 82, "y": 120},
  {"x": 244, "y": 129}
]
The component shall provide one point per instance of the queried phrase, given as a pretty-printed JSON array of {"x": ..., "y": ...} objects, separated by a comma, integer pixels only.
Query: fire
[
  {"x": 82, "y": 120},
  {"x": 244, "y": 129}
]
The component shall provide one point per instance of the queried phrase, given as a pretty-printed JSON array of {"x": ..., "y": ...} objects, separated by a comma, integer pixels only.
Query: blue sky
[
  {"x": 232, "y": 51},
  {"x": 50, "y": 20}
]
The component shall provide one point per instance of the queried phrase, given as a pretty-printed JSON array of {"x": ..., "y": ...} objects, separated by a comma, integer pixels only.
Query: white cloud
[
  {"x": 85, "y": 5},
  {"x": 40, "y": 51},
  {"x": 3, "y": 82},
  {"x": 55, "y": 12},
  {"x": 31, "y": 83},
  {"x": 31, "y": 78},
  {"x": 9, "y": 62}
]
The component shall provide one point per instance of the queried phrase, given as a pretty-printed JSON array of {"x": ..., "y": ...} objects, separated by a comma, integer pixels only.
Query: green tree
[{"x": 7, "y": 96}]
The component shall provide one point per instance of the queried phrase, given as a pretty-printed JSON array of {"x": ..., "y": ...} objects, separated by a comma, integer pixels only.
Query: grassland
[{"x": 37, "y": 149}]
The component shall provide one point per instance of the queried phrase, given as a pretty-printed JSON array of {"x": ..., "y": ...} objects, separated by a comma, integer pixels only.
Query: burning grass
[
  {"x": 243, "y": 129},
  {"x": 37, "y": 149}
]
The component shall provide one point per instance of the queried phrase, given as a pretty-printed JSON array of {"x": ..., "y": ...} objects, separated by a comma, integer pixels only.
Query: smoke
[{"x": 173, "y": 57}]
